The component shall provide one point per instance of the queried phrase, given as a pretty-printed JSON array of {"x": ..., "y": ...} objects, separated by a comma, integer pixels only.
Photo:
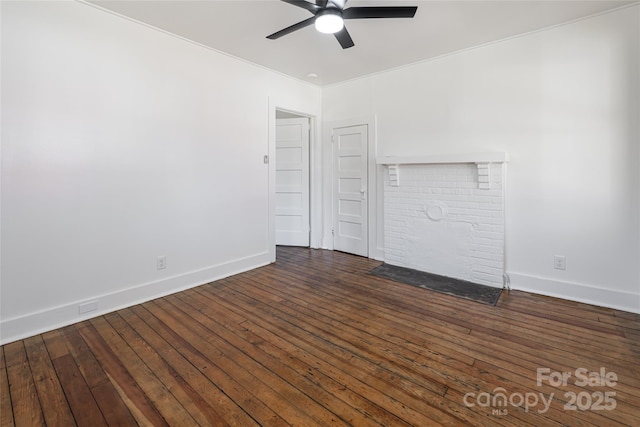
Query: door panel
[
  {"x": 350, "y": 190},
  {"x": 292, "y": 182}
]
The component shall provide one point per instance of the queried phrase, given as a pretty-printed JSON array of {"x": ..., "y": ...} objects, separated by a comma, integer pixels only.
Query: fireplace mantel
[
  {"x": 482, "y": 160},
  {"x": 490, "y": 157}
]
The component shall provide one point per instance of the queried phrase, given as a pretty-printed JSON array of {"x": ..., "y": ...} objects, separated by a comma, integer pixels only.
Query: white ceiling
[{"x": 240, "y": 28}]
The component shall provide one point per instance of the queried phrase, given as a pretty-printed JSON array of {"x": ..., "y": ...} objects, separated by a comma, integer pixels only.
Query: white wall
[
  {"x": 564, "y": 103},
  {"x": 121, "y": 143}
]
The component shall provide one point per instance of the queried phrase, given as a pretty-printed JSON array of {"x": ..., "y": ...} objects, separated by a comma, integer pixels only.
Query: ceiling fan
[{"x": 328, "y": 16}]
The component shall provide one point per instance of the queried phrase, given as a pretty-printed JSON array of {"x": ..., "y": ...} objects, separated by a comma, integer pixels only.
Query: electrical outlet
[
  {"x": 559, "y": 262},
  {"x": 161, "y": 262}
]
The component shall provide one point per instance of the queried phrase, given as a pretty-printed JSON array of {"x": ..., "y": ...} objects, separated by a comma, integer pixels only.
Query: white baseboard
[
  {"x": 31, "y": 324},
  {"x": 377, "y": 254},
  {"x": 579, "y": 292}
]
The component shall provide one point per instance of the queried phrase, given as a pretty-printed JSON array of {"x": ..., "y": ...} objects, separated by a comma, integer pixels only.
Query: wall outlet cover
[
  {"x": 161, "y": 262},
  {"x": 87, "y": 307}
]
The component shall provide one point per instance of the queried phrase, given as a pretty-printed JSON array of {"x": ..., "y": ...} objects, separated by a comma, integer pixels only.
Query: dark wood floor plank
[
  {"x": 574, "y": 368},
  {"x": 366, "y": 364},
  {"x": 410, "y": 376},
  {"x": 130, "y": 392},
  {"x": 158, "y": 393},
  {"x": 464, "y": 377},
  {"x": 324, "y": 362},
  {"x": 56, "y": 344},
  {"x": 314, "y": 399},
  {"x": 484, "y": 346},
  {"x": 6, "y": 412},
  {"x": 52, "y": 397},
  {"x": 553, "y": 333},
  {"x": 406, "y": 330},
  {"x": 91, "y": 369},
  {"x": 107, "y": 397},
  {"x": 585, "y": 347},
  {"x": 361, "y": 383},
  {"x": 313, "y": 339},
  {"x": 329, "y": 393},
  {"x": 212, "y": 401},
  {"x": 242, "y": 396},
  {"x": 266, "y": 386},
  {"x": 173, "y": 383},
  {"x": 81, "y": 401},
  {"x": 402, "y": 327},
  {"x": 363, "y": 342},
  {"x": 24, "y": 397}
]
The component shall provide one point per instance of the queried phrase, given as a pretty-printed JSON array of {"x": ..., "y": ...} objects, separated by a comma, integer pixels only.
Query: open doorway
[{"x": 292, "y": 179}]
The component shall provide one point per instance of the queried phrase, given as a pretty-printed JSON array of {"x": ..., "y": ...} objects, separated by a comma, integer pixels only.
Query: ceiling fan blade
[
  {"x": 321, "y": 3},
  {"x": 344, "y": 38},
  {"x": 313, "y": 8},
  {"x": 368, "y": 12},
  {"x": 292, "y": 28}
]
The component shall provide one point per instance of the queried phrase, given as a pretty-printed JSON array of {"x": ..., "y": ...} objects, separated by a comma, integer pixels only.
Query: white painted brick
[
  {"x": 450, "y": 197},
  {"x": 498, "y": 250},
  {"x": 494, "y": 263},
  {"x": 490, "y": 279},
  {"x": 394, "y": 242},
  {"x": 481, "y": 255},
  {"x": 467, "y": 217},
  {"x": 467, "y": 185},
  {"x": 468, "y": 205},
  {"x": 474, "y": 216},
  {"x": 448, "y": 184},
  {"x": 496, "y": 221},
  {"x": 433, "y": 179},
  {"x": 491, "y": 244},
  {"x": 495, "y": 268},
  {"x": 487, "y": 270},
  {"x": 484, "y": 214}
]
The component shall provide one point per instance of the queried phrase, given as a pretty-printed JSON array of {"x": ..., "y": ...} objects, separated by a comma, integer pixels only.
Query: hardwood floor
[{"x": 314, "y": 340}]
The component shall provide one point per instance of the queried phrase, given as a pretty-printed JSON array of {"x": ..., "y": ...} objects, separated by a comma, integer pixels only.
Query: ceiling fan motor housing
[{"x": 329, "y": 20}]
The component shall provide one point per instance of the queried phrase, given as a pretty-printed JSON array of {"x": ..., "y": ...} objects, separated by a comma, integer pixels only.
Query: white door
[
  {"x": 292, "y": 182},
  {"x": 350, "y": 229}
]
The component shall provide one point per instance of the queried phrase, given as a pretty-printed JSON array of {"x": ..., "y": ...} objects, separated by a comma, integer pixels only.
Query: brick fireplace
[{"x": 446, "y": 215}]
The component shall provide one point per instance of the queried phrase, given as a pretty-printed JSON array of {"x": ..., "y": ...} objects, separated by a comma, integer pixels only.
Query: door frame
[
  {"x": 315, "y": 183},
  {"x": 374, "y": 184}
]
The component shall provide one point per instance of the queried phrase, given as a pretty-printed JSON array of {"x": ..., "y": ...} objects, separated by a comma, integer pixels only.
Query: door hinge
[{"x": 333, "y": 232}]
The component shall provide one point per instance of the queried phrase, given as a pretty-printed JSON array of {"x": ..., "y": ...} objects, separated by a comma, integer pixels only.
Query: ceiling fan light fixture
[
  {"x": 328, "y": 17},
  {"x": 329, "y": 21}
]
